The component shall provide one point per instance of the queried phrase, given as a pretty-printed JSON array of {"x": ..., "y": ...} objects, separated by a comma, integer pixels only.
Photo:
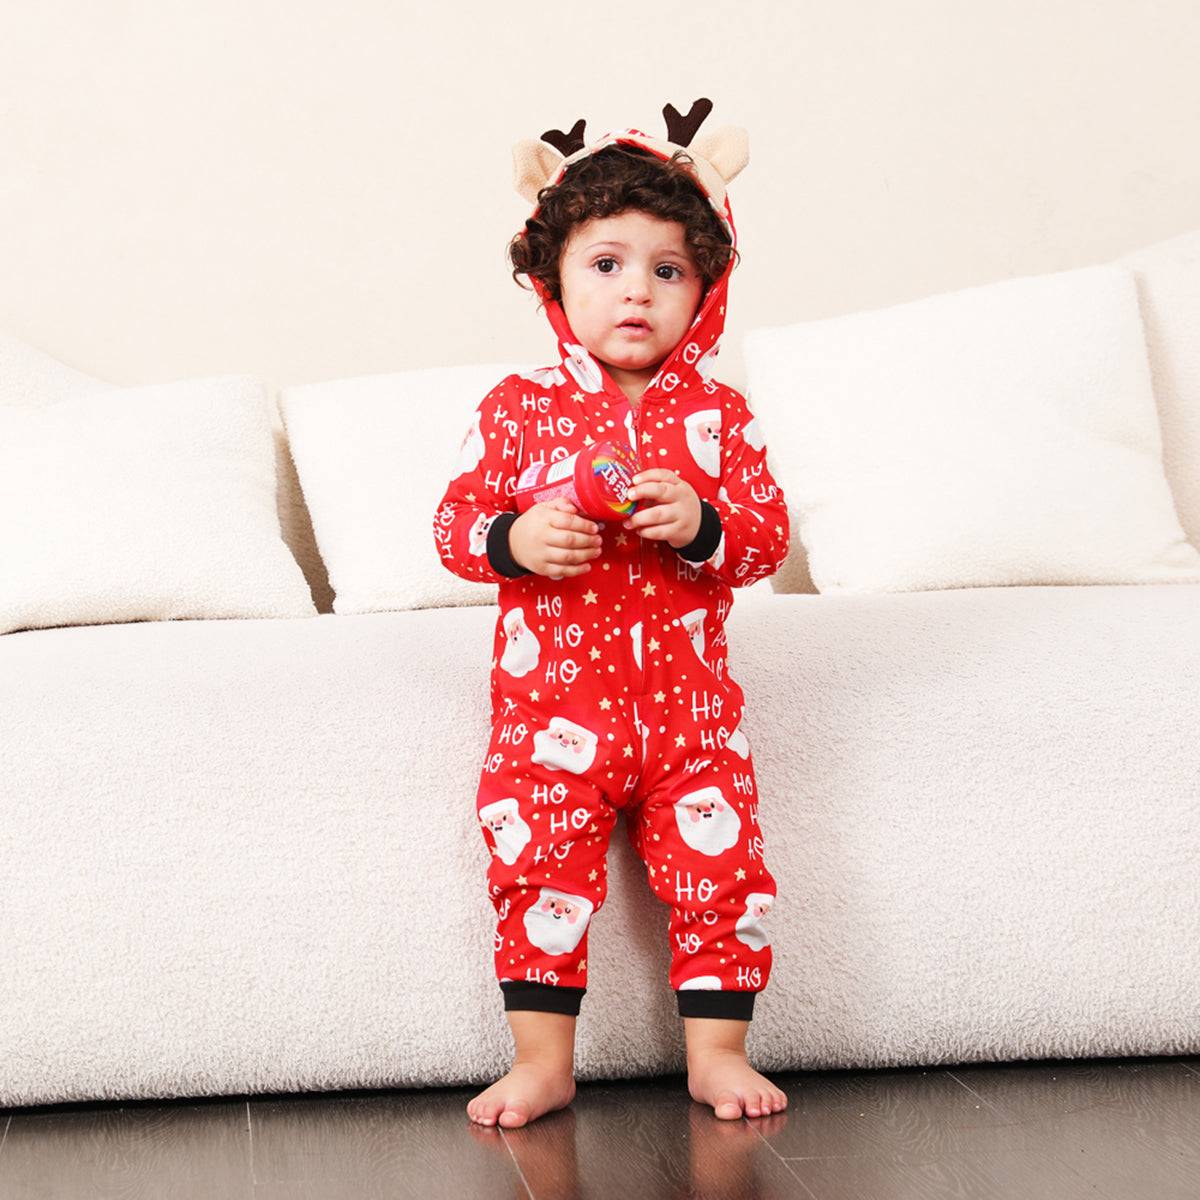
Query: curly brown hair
[{"x": 615, "y": 179}]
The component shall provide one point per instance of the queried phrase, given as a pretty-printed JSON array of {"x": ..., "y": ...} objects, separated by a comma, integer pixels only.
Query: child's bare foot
[
  {"x": 524, "y": 1094},
  {"x": 724, "y": 1079}
]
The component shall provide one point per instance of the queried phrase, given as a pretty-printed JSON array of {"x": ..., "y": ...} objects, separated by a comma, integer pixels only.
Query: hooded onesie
[{"x": 609, "y": 689}]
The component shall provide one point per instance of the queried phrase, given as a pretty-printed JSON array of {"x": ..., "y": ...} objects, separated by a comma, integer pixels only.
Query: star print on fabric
[
  {"x": 470, "y": 497},
  {"x": 593, "y": 829},
  {"x": 605, "y": 704},
  {"x": 577, "y": 395},
  {"x": 535, "y": 696},
  {"x": 680, "y": 740},
  {"x": 659, "y": 697},
  {"x": 621, "y": 539},
  {"x": 589, "y": 597},
  {"x": 588, "y": 440},
  {"x": 740, "y": 873},
  {"x": 652, "y": 645},
  {"x": 648, "y": 590},
  {"x": 628, "y": 751},
  {"x": 583, "y": 961},
  {"x": 646, "y": 437},
  {"x": 593, "y": 654},
  {"x": 522, "y": 880}
]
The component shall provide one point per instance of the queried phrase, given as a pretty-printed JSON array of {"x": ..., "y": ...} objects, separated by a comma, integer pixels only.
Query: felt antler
[
  {"x": 681, "y": 130},
  {"x": 566, "y": 143}
]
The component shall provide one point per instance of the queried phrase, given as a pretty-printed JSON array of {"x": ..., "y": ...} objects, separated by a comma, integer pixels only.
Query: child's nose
[{"x": 637, "y": 287}]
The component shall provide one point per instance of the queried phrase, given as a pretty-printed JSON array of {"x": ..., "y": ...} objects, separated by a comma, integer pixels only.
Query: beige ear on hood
[{"x": 718, "y": 155}]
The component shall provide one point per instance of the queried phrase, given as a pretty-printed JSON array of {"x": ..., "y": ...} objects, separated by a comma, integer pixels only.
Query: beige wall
[{"x": 306, "y": 191}]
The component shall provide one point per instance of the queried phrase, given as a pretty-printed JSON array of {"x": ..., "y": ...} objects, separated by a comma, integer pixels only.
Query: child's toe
[
  {"x": 516, "y": 1112},
  {"x": 727, "y": 1106}
]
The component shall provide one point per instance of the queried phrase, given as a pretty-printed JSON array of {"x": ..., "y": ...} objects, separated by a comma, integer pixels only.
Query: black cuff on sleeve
[
  {"x": 704, "y": 545},
  {"x": 499, "y": 555}
]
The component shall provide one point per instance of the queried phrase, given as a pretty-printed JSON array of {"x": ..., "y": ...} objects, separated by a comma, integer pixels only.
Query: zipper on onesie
[{"x": 637, "y": 437}]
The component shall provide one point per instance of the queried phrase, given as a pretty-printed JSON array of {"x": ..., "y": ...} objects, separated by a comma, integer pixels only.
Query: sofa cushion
[
  {"x": 374, "y": 455},
  {"x": 31, "y": 378},
  {"x": 149, "y": 503},
  {"x": 1168, "y": 278},
  {"x": 999, "y": 435}
]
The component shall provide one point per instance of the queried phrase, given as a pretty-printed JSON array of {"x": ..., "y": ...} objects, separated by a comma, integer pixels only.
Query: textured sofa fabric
[{"x": 242, "y": 856}]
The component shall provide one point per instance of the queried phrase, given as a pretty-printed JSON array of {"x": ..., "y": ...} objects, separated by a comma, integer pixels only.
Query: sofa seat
[{"x": 242, "y": 856}]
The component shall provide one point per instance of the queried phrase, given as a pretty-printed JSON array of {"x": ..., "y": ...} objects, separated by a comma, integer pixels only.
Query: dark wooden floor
[{"x": 1111, "y": 1129}]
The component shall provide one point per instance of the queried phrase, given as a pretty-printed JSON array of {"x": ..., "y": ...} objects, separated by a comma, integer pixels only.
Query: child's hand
[
  {"x": 549, "y": 539},
  {"x": 668, "y": 508}
]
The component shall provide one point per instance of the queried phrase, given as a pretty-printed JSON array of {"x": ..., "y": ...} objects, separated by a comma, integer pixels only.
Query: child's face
[{"x": 629, "y": 265}]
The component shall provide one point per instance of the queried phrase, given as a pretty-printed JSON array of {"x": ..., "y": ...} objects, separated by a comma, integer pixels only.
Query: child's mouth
[{"x": 635, "y": 329}]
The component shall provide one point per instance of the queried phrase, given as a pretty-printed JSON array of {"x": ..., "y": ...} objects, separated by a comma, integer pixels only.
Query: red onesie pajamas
[{"x": 609, "y": 689}]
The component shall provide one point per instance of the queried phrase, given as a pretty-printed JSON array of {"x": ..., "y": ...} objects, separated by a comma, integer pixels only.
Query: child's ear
[{"x": 534, "y": 162}]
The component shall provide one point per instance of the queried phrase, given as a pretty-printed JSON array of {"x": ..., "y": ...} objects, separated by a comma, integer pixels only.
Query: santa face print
[
  {"x": 546, "y": 376},
  {"x": 706, "y": 364},
  {"x": 704, "y": 439},
  {"x": 753, "y": 434},
  {"x": 521, "y": 647},
  {"x": 555, "y": 922},
  {"x": 738, "y": 742},
  {"x": 693, "y": 622},
  {"x": 632, "y": 265},
  {"x": 564, "y": 746},
  {"x": 583, "y": 368},
  {"x": 471, "y": 450},
  {"x": 749, "y": 926},
  {"x": 508, "y": 827},
  {"x": 707, "y": 822},
  {"x": 703, "y": 983},
  {"x": 479, "y": 532}
]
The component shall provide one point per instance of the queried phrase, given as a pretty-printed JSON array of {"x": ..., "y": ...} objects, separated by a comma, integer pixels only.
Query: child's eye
[{"x": 598, "y": 264}]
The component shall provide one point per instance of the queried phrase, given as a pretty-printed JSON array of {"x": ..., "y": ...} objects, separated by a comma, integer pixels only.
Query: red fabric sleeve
[
  {"x": 483, "y": 487},
  {"x": 754, "y": 520}
]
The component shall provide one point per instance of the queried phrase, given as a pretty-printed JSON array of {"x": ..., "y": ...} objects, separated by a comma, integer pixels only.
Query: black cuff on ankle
[
  {"x": 702, "y": 1002},
  {"x": 541, "y": 997}
]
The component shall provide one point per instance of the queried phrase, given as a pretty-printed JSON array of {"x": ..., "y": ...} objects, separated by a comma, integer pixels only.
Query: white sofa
[{"x": 242, "y": 855}]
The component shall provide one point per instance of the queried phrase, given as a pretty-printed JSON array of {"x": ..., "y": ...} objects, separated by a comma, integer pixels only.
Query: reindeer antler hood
[{"x": 718, "y": 156}]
